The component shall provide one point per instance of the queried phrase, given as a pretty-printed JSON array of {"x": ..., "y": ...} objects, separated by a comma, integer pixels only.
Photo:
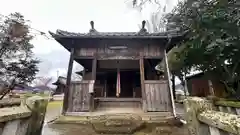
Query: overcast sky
[{"x": 74, "y": 16}]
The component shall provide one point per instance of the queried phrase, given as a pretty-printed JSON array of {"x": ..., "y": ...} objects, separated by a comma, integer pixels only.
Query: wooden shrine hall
[{"x": 119, "y": 70}]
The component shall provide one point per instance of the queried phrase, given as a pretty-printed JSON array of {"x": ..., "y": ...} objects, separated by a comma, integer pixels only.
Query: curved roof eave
[{"x": 117, "y": 35}]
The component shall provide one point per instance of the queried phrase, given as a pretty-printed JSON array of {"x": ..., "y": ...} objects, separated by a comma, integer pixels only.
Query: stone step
[
  {"x": 156, "y": 116},
  {"x": 124, "y": 124},
  {"x": 117, "y": 124}
]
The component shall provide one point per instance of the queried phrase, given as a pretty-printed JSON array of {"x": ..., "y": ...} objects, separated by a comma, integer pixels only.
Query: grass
[
  {"x": 51, "y": 104},
  {"x": 72, "y": 120},
  {"x": 235, "y": 104},
  {"x": 54, "y": 104},
  {"x": 35, "y": 94}
]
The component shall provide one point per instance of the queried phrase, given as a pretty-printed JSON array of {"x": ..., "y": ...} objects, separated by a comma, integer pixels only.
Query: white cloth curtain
[{"x": 118, "y": 88}]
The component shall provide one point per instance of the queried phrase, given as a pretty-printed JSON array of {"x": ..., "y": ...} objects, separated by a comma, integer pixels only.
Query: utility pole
[{"x": 57, "y": 73}]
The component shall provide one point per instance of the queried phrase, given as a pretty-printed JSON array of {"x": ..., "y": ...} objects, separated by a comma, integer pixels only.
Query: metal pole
[{"x": 57, "y": 73}]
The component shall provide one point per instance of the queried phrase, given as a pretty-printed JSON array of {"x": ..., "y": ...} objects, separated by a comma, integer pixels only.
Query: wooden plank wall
[
  {"x": 200, "y": 88},
  {"x": 134, "y": 50},
  {"x": 79, "y": 97},
  {"x": 157, "y": 96}
]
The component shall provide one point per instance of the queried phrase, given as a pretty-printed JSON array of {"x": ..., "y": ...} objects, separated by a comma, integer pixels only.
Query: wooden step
[
  {"x": 118, "y": 99},
  {"x": 119, "y": 104}
]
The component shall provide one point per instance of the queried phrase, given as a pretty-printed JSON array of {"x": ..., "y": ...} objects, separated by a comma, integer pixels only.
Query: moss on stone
[
  {"x": 117, "y": 124},
  {"x": 141, "y": 133},
  {"x": 8, "y": 114},
  {"x": 72, "y": 120},
  {"x": 193, "y": 106},
  {"x": 225, "y": 121},
  {"x": 224, "y": 102},
  {"x": 162, "y": 130},
  {"x": 228, "y": 103},
  {"x": 10, "y": 102},
  {"x": 213, "y": 98},
  {"x": 121, "y": 124},
  {"x": 38, "y": 107}
]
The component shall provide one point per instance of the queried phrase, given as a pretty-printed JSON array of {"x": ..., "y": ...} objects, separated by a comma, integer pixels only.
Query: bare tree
[
  {"x": 139, "y": 4},
  {"x": 156, "y": 23}
]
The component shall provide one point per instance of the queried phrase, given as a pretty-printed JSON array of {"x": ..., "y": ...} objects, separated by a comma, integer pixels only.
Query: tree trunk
[
  {"x": 7, "y": 90},
  {"x": 238, "y": 92},
  {"x": 238, "y": 95}
]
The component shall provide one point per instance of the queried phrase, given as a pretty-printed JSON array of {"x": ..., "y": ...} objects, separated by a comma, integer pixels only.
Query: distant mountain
[
  {"x": 33, "y": 88},
  {"x": 41, "y": 88}
]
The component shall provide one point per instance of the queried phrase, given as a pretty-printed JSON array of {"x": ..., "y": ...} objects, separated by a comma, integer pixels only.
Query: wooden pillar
[
  {"x": 68, "y": 82},
  {"x": 91, "y": 94},
  {"x": 84, "y": 72},
  {"x": 94, "y": 68},
  {"x": 186, "y": 93},
  {"x": 169, "y": 80},
  {"x": 142, "y": 77},
  {"x": 133, "y": 88},
  {"x": 211, "y": 90},
  {"x": 118, "y": 84}
]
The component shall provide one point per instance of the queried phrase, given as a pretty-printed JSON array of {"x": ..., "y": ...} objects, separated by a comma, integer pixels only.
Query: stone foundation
[
  {"x": 25, "y": 119},
  {"x": 203, "y": 119},
  {"x": 126, "y": 124}
]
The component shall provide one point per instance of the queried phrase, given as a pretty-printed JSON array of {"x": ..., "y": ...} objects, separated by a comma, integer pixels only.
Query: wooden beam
[
  {"x": 154, "y": 57},
  {"x": 169, "y": 85},
  {"x": 68, "y": 82},
  {"x": 83, "y": 57},
  {"x": 142, "y": 77}
]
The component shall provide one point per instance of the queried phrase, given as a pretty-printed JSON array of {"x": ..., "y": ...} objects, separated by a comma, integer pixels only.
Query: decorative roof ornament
[
  {"x": 141, "y": 34},
  {"x": 92, "y": 30},
  {"x": 143, "y": 31}
]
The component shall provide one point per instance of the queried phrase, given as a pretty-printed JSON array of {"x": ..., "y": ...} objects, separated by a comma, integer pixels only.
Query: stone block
[{"x": 38, "y": 107}]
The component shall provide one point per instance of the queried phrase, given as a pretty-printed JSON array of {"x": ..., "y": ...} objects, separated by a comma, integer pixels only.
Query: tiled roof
[
  {"x": 63, "y": 80},
  {"x": 60, "y": 80},
  {"x": 95, "y": 34},
  {"x": 142, "y": 33}
]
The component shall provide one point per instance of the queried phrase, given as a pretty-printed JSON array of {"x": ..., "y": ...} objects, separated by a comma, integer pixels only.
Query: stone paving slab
[
  {"x": 11, "y": 113},
  {"x": 10, "y": 102}
]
